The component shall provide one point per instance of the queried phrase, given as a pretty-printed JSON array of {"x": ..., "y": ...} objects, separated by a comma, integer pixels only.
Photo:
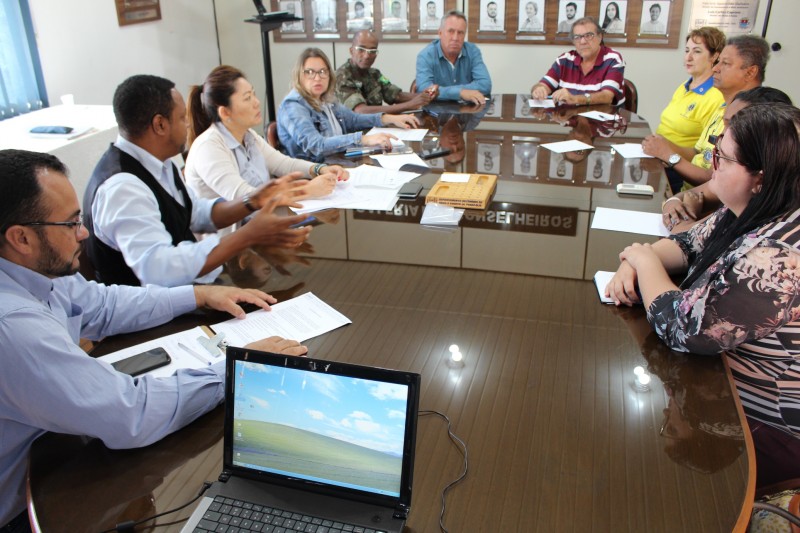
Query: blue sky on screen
[{"x": 366, "y": 413}]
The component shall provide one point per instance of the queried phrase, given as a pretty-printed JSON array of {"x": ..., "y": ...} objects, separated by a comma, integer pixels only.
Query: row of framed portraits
[{"x": 653, "y": 23}]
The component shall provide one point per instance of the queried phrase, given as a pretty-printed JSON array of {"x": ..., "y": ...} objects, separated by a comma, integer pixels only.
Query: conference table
[{"x": 575, "y": 416}]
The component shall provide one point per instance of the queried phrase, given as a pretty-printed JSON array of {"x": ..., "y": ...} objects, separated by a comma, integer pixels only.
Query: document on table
[
  {"x": 567, "y": 146},
  {"x": 541, "y": 103},
  {"x": 601, "y": 279},
  {"x": 183, "y": 347},
  {"x": 344, "y": 195},
  {"x": 395, "y": 161},
  {"x": 630, "y": 150},
  {"x": 379, "y": 177},
  {"x": 599, "y": 115},
  {"x": 401, "y": 133},
  {"x": 629, "y": 221},
  {"x": 300, "y": 319}
]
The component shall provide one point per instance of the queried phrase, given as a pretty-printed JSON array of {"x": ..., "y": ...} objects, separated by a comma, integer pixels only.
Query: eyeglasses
[
  {"x": 587, "y": 36},
  {"x": 76, "y": 224},
  {"x": 310, "y": 73},
  {"x": 716, "y": 156},
  {"x": 368, "y": 51}
]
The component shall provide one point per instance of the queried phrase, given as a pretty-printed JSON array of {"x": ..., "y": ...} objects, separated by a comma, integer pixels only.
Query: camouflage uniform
[{"x": 354, "y": 87}]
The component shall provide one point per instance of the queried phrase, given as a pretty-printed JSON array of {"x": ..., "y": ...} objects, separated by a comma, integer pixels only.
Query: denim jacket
[{"x": 306, "y": 133}]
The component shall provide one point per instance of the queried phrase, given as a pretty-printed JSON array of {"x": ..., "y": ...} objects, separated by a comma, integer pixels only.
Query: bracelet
[
  {"x": 317, "y": 168},
  {"x": 246, "y": 202},
  {"x": 668, "y": 199}
]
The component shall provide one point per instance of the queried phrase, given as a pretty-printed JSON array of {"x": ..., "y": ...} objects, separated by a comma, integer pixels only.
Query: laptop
[{"x": 306, "y": 441}]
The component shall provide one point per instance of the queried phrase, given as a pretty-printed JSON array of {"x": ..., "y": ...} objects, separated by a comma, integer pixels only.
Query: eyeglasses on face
[
  {"x": 368, "y": 51},
  {"x": 310, "y": 73},
  {"x": 588, "y": 36},
  {"x": 716, "y": 156},
  {"x": 75, "y": 224}
]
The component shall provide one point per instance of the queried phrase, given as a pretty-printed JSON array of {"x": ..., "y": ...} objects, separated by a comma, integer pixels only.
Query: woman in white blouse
[{"x": 227, "y": 158}]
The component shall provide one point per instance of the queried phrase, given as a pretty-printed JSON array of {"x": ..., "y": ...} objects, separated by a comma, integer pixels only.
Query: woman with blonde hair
[{"x": 311, "y": 125}]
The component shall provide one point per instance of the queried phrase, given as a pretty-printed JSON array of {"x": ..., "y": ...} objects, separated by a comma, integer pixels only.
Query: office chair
[
  {"x": 272, "y": 135},
  {"x": 631, "y": 96},
  {"x": 413, "y": 88}
]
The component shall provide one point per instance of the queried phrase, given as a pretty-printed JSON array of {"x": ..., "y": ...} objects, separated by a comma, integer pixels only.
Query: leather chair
[
  {"x": 631, "y": 96},
  {"x": 413, "y": 86},
  {"x": 272, "y": 135}
]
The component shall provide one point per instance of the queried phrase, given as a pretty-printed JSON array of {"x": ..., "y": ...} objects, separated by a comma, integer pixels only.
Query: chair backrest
[
  {"x": 631, "y": 96},
  {"x": 272, "y": 135},
  {"x": 413, "y": 86}
]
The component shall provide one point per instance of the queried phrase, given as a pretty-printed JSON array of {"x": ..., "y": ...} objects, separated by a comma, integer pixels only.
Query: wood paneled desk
[{"x": 560, "y": 437}]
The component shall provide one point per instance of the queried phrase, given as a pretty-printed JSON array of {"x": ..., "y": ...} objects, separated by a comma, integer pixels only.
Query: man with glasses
[
  {"x": 364, "y": 89},
  {"x": 142, "y": 218},
  {"x": 48, "y": 382},
  {"x": 591, "y": 74}
]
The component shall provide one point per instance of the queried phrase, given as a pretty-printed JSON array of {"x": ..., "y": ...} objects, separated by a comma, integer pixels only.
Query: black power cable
[{"x": 130, "y": 525}]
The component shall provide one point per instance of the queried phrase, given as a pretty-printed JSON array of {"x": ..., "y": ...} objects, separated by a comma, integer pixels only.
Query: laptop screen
[{"x": 322, "y": 422}]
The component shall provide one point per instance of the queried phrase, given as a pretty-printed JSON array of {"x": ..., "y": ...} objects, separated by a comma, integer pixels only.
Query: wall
[
  {"x": 514, "y": 68},
  {"x": 85, "y": 52}
]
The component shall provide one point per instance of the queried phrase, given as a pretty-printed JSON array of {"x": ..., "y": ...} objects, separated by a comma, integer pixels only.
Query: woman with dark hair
[
  {"x": 611, "y": 22},
  {"x": 227, "y": 158},
  {"x": 311, "y": 125},
  {"x": 741, "y": 294}
]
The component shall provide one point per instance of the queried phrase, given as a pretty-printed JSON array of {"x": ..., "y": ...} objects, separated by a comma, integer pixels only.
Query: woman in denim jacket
[{"x": 311, "y": 125}]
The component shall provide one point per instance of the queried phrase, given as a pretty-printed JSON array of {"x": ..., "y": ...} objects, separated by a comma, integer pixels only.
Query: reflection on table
[{"x": 561, "y": 435}]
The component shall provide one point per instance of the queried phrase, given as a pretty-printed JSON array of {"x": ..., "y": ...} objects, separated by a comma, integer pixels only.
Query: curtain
[{"x": 21, "y": 81}]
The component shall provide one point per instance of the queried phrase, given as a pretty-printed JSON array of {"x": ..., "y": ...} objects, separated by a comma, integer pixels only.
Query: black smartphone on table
[
  {"x": 143, "y": 362},
  {"x": 409, "y": 190}
]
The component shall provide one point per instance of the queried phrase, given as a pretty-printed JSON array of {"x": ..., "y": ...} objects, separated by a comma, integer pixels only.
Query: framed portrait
[
  {"x": 487, "y": 158},
  {"x": 598, "y": 167},
  {"x": 324, "y": 13},
  {"x": 493, "y": 13},
  {"x": 655, "y": 15},
  {"x": 293, "y": 7},
  {"x": 395, "y": 15},
  {"x": 568, "y": 12},
  {"x": 494, "y": 106},
  {"x": 531, "y": 16},
  {"x": 613, "y": 15},
  {"x": 359, "y": 15},
  {"x": 525, "y": 158},
  {"x": 430, "y": 15},
  {"x": 560, "y": 168},
  {"x": 522, "y": 108},
  {"x": 633, "y": 172}
]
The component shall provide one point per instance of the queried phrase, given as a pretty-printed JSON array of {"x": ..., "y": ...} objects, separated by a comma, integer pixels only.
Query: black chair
[{"x": 631, "y": 96}]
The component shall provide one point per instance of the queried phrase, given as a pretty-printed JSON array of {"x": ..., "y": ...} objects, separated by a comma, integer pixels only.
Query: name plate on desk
[{"x": 507, "y": 216}]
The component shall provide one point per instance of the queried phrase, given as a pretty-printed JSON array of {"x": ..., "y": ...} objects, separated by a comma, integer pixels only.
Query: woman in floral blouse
[{"x": 741, "y": 294}]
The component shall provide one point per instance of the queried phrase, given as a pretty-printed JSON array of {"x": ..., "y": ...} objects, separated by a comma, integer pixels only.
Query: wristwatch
[
  {"x": 247, "y": 202},
  {"x": 673, "y": 160},
  {"x": 588, "y": 98}
]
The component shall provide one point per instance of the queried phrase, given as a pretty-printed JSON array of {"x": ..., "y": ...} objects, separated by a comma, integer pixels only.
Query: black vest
[{"x": 109, "y": 264}]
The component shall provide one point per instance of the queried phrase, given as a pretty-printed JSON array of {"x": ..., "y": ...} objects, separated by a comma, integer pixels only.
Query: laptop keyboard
[{"x": 226, "y": 515}]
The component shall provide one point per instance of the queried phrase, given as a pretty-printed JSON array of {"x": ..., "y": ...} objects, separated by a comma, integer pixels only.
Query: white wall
[{"x": 85, "y": 52}]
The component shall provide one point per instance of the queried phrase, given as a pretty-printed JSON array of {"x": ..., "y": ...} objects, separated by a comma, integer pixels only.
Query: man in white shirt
[
  {"x": 654, "y": 25},
  {"x": 140, "y": 215}
]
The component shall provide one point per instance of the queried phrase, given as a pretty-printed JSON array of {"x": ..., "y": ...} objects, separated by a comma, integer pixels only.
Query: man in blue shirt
[
  {"x": 48, "y": 383},
  {"x": 456, "y": 66}
]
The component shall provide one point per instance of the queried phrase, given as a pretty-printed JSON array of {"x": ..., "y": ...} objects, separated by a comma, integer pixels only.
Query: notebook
[{"x": 306, "y": 440}]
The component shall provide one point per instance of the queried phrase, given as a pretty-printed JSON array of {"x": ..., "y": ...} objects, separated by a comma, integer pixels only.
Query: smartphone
[
  {"x": 434, "y": 153},
  {"x": 56, "y": 130},
  {"x": 143, "y": 362},
  {"x": 409, "y": 190}
]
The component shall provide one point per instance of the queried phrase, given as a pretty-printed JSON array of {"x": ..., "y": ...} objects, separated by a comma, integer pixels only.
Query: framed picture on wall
[
  {"x": 324, "y": 13},
  {"x": 655, "y": 15},
  {"x": 136, "y": 11},
  {"x": 359, "y": 15},
  {"x": 430, "y": 15},
  {"x": 612, "y": 15},
  {"x": 492, "y": 15},
  {"x": 531, "y": 15},
  {"x": 395, "y": 15},
  {"x": 293, "y": 7},
  {"x": 525, "y": 158},
  {"x": 568, "y": 12},
  {"x": 487, "y": 158}
]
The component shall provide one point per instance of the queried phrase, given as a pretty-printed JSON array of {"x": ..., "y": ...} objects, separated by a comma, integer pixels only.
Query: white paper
[
  {"x": 396, "y": 161},
  {"x": 375, "y": 200},
  {"x": 375, "y": 176},
  {"x": 567, "y": 146},
  {"x": 601, "y": 280},
  {"x": 630, "y": 150},
  {"x": 453, "y": 177},
  {"x": 344, "y": 195},
  {"x": 541, "y": 103},
  {"x": 401, "y": 133},
  {"x": 629, "y": 222},
  {"x": 300, "y": 319},
  {"x": 180, "y": 357},
  {"x": 599, "y": 115},
  {"x": 441, "y": 215}
]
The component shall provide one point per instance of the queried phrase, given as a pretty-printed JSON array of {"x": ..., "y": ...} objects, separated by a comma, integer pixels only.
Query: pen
[{"x": 193, "y": 353}]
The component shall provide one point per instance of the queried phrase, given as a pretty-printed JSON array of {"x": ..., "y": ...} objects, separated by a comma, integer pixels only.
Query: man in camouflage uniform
[{"x": 364, "y": 89}]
